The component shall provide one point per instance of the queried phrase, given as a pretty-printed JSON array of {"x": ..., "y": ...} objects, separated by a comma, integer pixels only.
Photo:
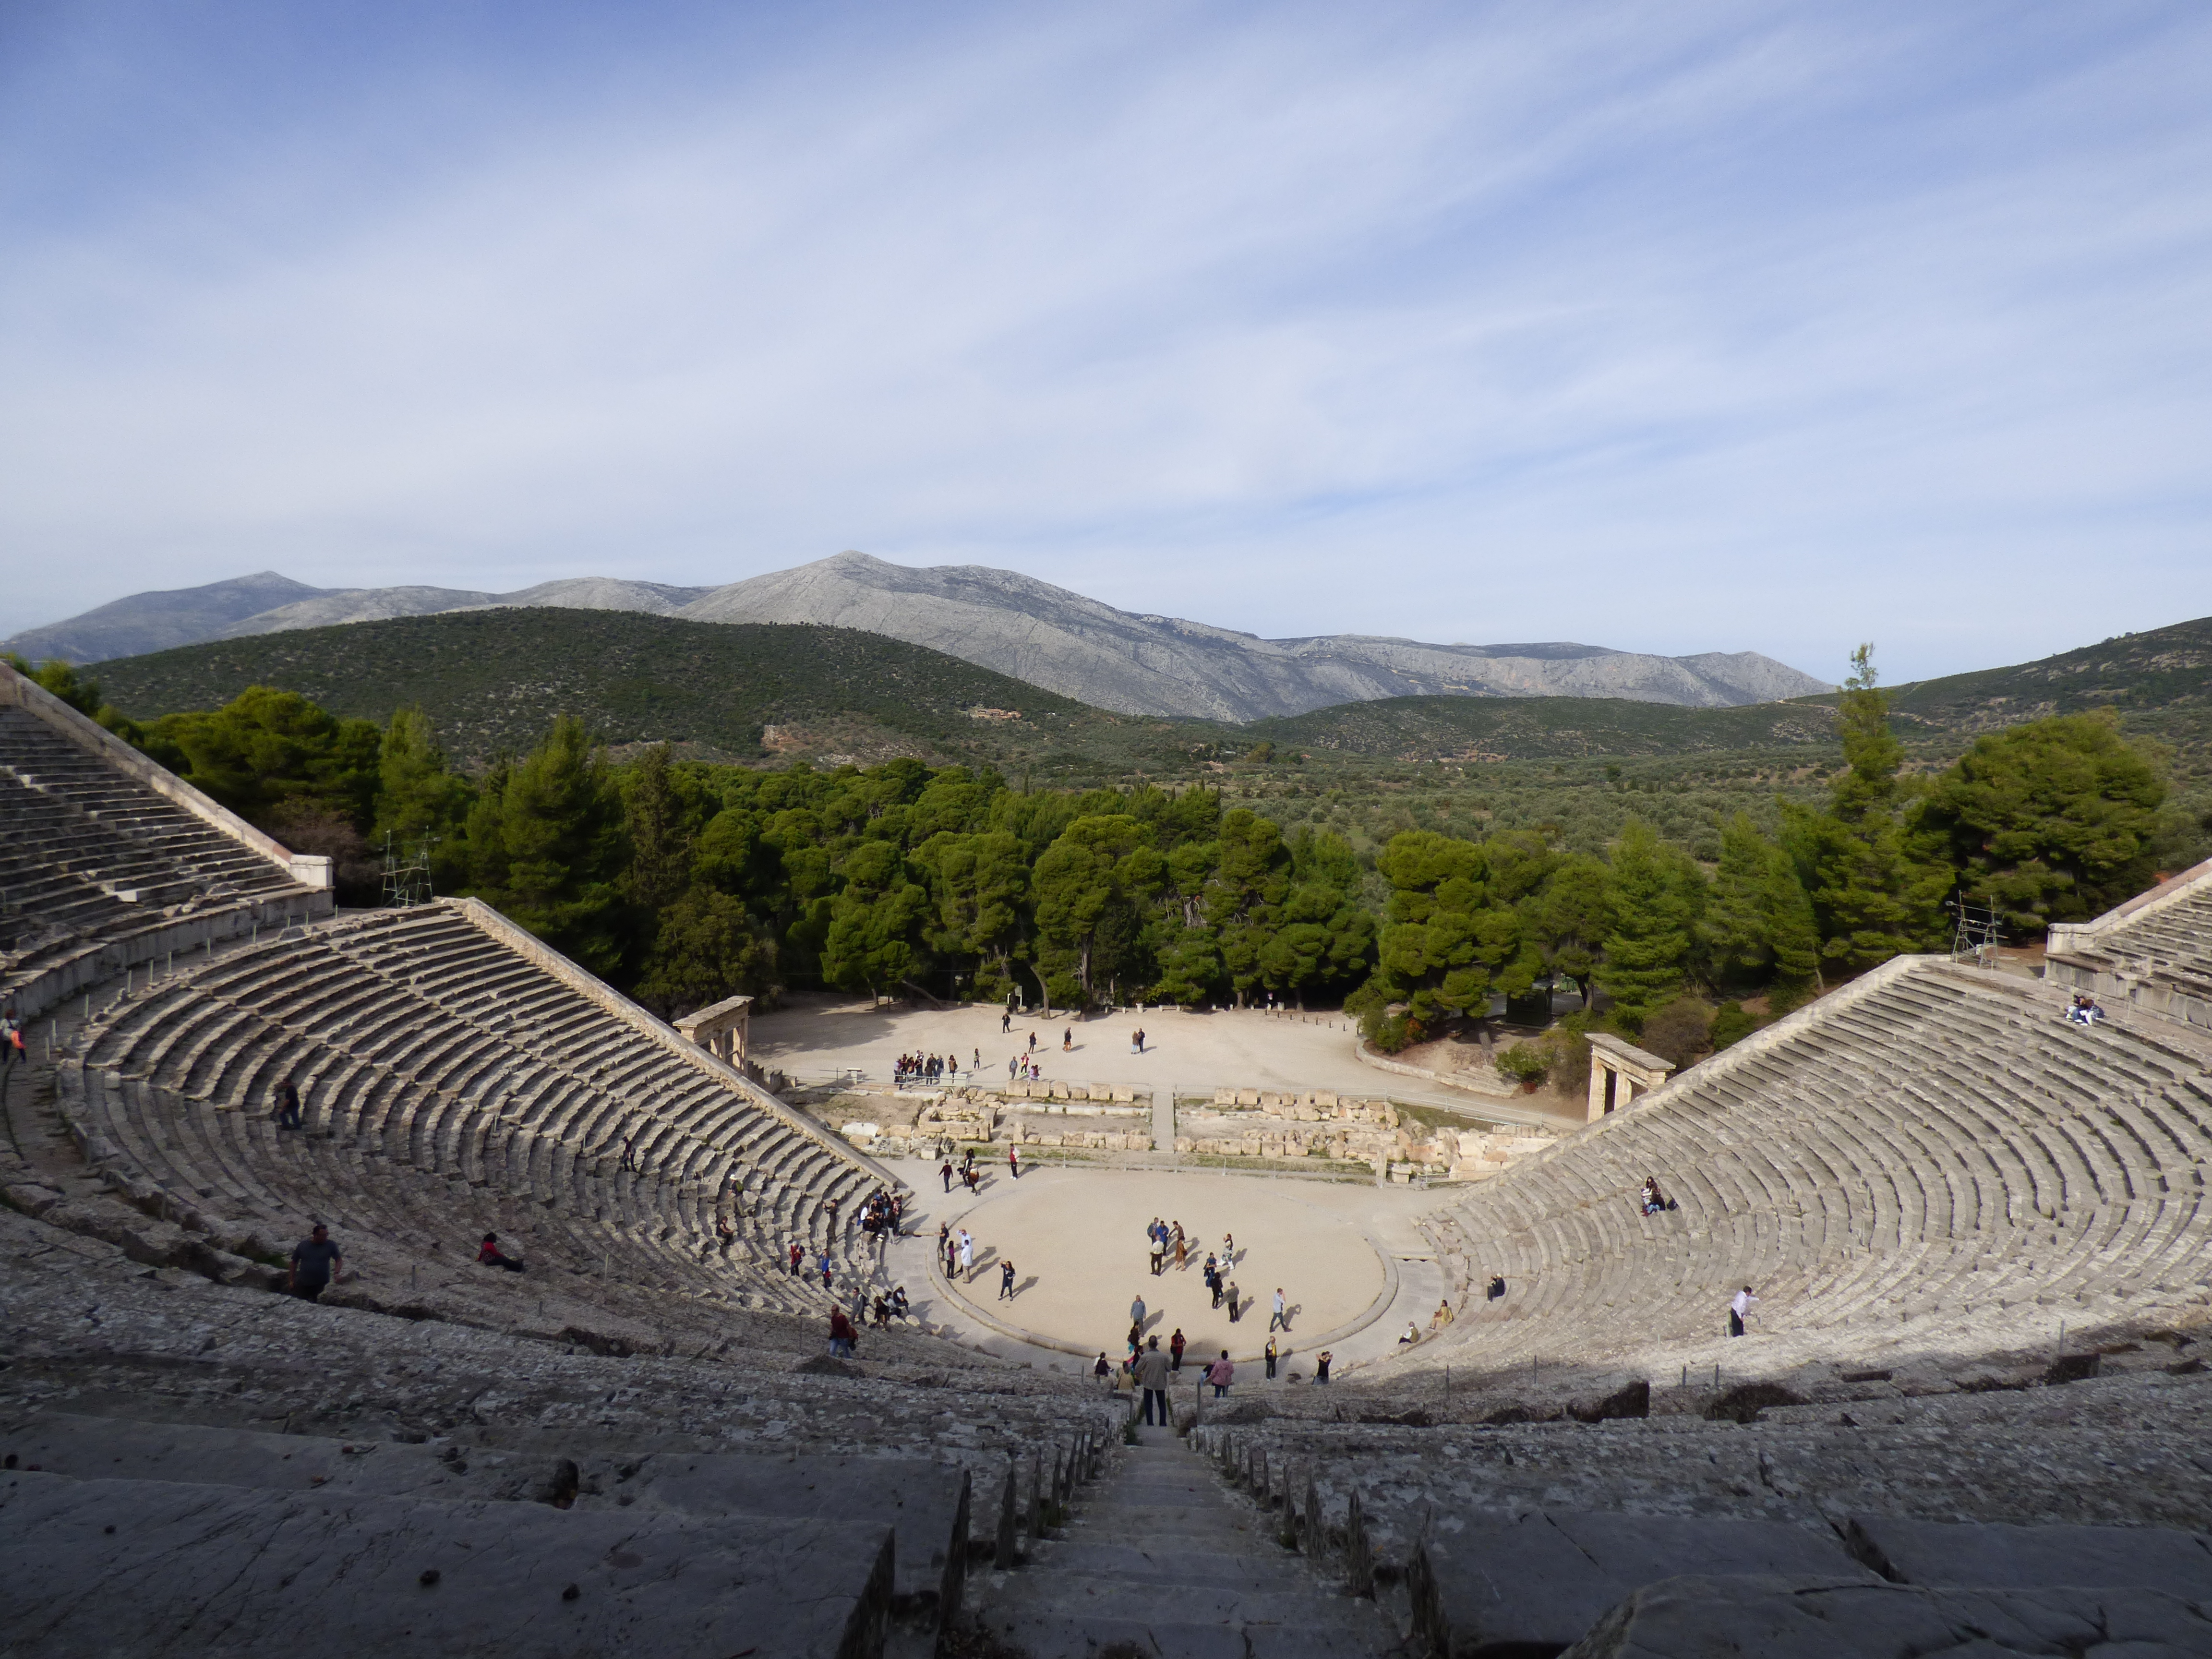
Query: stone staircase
[{"x": 1165, "y": 1561}]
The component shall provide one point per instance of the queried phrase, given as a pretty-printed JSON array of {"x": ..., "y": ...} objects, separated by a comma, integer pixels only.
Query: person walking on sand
[
  {"x": 1014, "y": 1164},
  {"x": 1738, "y": 1307},
  {"x": 1181, "y": 1249},
  {"x": 1137, "y": 1312},
  {"x": 1221, "y": 1374},
  {"x": 1152, "y": 1378},
  {"x": 967, "y": 1255},
  {"x": 1006, "y": 1281},
  {"x": 1175, "y": 1350},
  {"x": 1067, "y": 1040},
  {"x": 1278, "y": 1316},
  {"x": 946, "y": 1170}
]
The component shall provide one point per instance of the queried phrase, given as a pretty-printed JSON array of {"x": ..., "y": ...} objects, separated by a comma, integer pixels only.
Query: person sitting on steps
[{"x": 489, "y": 1254}]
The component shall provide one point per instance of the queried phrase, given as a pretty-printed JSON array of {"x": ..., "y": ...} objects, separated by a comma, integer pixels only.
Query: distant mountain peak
[{"x": 1018, "y": 625}]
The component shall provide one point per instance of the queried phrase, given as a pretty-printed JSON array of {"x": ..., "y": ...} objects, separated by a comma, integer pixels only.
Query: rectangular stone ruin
[
  {"x": 722, "y": 1030},
  {"x": 1620, "y": 1072}
]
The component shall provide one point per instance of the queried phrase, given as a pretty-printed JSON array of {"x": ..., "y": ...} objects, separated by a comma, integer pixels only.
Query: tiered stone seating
[
  {"x": 215, "y": 1423},
  {"x": 2105, "y": 1453},
  {"x": 450, "y": 1086},
  {"x": 1904, "y": 1160},
  {"x": 2153, "y": 954},
  {"x": 100, "y": 869}
]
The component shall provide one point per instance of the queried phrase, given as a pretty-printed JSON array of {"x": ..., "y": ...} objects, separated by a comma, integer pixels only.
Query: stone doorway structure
[
  {"x": 721, "y": 1030},
  {"x": 1619, "y": 1071}
]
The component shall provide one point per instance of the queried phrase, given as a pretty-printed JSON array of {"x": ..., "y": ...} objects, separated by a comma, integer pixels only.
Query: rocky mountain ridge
[{"x": 1015, "y": 624}]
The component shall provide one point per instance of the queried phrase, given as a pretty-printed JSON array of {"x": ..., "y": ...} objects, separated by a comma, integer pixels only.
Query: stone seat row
[
  {"x": 113, "y": 811},
  {"x": 1933, "y": 1144},
  {"x": 202, "y": 1052},
  {"x": 259, "y": 1168},
  {"x": 403, "y": 1219},
  {"x": 403, "y": 1082}
]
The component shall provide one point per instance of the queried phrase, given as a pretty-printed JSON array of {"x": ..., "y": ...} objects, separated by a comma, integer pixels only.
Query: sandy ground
[
  {"x": 1076, "y": 1236},
  {"x": 1192, "y": 1053}
]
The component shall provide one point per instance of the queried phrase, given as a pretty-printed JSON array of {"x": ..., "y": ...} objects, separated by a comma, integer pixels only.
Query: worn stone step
[
  {"x": 1156, "y": 1638},
  {"x": 1155, "y": 1562}
]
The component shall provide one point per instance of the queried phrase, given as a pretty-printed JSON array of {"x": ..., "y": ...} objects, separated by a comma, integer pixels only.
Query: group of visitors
[
  {"x": 928, "y": 1068},
  {"x": 1137, "y": 1041},
  {"x": 882, "y": 1215},
  {"x": 958, "y": 1249},
  {"x": 969, "y": 1176},
  {"x": 891, "y": 1307},
  {"x": 2084, "y": 1010},
  {"x": 1224, "y": 1288},
  {"x": 823, "y": 1264},
  {"x": 1024, "y": 1068},
  {"x": 1165, "y": 1237}
]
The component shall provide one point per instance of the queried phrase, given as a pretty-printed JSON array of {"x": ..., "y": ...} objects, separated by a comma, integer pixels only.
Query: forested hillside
[
  {"x": 492, "y": 681},
  {"x": 1532, "y": 728},
  {"x": 684, "y": 882}
]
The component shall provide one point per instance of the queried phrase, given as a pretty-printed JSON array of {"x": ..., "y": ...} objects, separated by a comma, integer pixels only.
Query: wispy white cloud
[{"x": 1729, "y": 327}]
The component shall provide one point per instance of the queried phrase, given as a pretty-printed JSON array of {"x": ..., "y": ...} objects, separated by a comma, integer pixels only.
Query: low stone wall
[
  {"x": 103, "y": 959},
  {"x": 1473, "y": 1083},
  {"x": 1372, "y": 1133},
  {"x": 893, "y": 1122}
]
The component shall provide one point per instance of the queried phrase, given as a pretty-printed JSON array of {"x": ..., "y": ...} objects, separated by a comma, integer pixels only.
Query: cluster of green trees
[{"x": 685, "y": 882}]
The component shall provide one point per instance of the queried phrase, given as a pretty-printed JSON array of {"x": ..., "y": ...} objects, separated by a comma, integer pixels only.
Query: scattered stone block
[
  {"x": 1792, "y": 1618},
  {"x": 1489, "y": 1583},
  {"x": 2000, "y": 1555}
]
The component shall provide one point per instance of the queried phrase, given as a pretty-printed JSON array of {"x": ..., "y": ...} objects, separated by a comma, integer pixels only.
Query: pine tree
[
  {"x": 1758, "y": 921},
  {"x": 1654, "y": 894},
  {"x": 418, "y": 799},
  {"x": 2052, "y": 821},
  {"x": 1872, "y": 898},
  {"x": 547, "y": 847}
]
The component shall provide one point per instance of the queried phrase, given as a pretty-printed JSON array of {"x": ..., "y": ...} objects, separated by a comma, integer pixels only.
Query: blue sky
[{"x": 1700, "y": 327}]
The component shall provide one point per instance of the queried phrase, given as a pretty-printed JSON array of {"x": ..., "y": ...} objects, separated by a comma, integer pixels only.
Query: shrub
[
  {"x": 1524, "y": 1062},
  {"x": 1680, "y": 1031},
  {"x": 1732, "y": 1024},
  {"x": 1567, "y": 1051}
]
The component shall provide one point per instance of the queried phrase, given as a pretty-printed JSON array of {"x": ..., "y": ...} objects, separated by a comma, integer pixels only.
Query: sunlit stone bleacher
[
  {"x": 100, "y": 869},
  {"x": 2153, "y": 954},
  {"x": 456, "y": 1078},
  {"x": 1932, "y": 1157}
]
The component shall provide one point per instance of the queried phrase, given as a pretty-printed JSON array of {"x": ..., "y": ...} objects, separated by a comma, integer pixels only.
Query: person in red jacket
[{"x": 842, "y": 1336}]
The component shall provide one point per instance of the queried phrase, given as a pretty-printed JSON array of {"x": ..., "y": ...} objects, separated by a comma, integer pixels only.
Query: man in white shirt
[
  {"x": 1278, "y": 1317},
  {"x": 1738, "y": 1308}
]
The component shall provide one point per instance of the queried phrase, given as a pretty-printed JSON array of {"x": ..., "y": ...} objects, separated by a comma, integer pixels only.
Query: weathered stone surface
[
  {"x": 1779, "y": 1618},
  {"x": 1992, "y": 1555},
  {"x": 94, "y": 1565},
  {"x": 1546, "y": 1578},
  {"x": 925, "y": 1503}
]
